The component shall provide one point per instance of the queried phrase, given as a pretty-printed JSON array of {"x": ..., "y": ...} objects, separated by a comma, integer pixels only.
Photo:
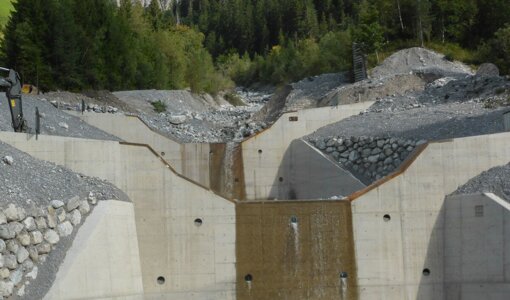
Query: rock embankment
[
  {"x": 368, "y": 158},
  {"x": 29, "y": 236},
  {"x": 41, "y": 207}
]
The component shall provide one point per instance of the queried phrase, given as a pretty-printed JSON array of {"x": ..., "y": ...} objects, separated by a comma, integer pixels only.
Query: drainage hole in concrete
[
  {"x": 248, "y": 278},
  {"x": 198, "y": 222},
  {"x": 162, "y": 153},
  {"x": 344, "y": 275},
  {"x": 260, "y": 151},
  {"x": 293, "y": 220},
  {"x": 236, "y": 179},
  {"x": 386, "y": 218},
  {"x": 280, "y": 179},
  {"x": 426, "y": 272},
  {"x": 161, "y": 279}
]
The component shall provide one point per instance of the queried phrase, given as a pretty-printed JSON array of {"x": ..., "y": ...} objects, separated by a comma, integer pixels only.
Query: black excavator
[{"x": 12, "y": 87}]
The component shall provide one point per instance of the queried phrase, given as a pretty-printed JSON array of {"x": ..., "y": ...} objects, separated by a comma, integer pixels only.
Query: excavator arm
[{"x": 12, "y": 87}]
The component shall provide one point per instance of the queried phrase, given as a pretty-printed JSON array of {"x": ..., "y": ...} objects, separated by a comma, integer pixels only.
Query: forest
[{"x": 210, "y": 45}]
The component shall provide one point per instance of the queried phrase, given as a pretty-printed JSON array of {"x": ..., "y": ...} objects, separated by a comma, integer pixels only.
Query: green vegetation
[
  {"x": 128, "y": 47},
  {"x": 207, "y": 44},
  {"x": 159, "y": 106},
  {"x": 5, "y": 11}
]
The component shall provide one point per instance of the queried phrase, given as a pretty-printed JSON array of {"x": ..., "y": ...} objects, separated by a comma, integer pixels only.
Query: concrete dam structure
[{"x": 273, "y": 217}]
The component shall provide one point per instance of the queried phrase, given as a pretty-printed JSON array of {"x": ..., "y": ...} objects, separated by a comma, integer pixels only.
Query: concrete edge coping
[
  {"x": 133, "y": 115},
  {"x": 498, "y": 200},
  {"x": 174, "y": 171}
]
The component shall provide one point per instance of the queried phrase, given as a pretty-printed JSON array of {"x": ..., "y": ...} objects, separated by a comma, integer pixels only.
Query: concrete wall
[
  {"x": 263, "y": 153},
  {"x": 103, "y": 261},
  {"x": 392, "y": 254},
  {"x": 198, "y": 262},
  {"x": 295, "y": 261},
  {"x": 476, "y": 248},
  {"x": 307, "y": 173},
  {"x": 190, "y": 160}
]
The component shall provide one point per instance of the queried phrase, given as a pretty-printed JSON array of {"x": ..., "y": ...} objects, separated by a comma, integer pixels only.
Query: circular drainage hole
[
  {"x": 162, "y": 153},
  {"x": 426, "y": 272},
  {"x": 344, "y": 275},
  {"x": 386, "y": 218},
  {"x": 161, "y": 280},
  {"x": 198, "y": 222},
  {"x": 260, "y": 151},
  {"x": 248, "y": 278},
  {"x": 293, "y": 220}
]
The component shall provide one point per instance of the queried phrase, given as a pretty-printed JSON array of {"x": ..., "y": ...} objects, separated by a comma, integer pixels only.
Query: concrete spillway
[{"x": 384, "y": 240}]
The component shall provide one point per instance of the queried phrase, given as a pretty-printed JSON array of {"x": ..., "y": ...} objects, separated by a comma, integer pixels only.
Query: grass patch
[
  {"x": 453, "y": 52},
  {"x": 159, "y": 106}
]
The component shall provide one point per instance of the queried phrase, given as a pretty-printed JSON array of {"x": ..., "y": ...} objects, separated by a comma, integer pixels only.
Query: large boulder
[{"x": 487, "y": 69}]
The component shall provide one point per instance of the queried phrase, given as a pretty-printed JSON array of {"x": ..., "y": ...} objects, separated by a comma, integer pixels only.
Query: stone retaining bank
[
  {"x": 368, "y": 158},
  {"x": 28, "y": 236}
]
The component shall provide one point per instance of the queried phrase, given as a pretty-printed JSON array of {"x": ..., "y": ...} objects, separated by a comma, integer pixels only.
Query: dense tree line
[
  {"x": 75, "y": 44},
  {"x": 256, "y": 25}
]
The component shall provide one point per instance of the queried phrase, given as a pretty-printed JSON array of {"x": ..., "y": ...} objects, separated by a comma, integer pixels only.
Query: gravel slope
[
  {"x": 423, "y": 123},
  {"x": 418, "y": 60},
  {"x": 494, "y": 180},
  {"x": 30, "y": 181},
  {"x": 53, "y": 122}
]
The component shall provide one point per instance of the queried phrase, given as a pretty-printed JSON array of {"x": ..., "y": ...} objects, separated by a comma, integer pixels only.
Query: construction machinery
[{"x": 12, "y": 86}]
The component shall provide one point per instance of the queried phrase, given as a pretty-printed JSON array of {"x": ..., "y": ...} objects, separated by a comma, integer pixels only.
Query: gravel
[
  {"x": 53, "y": 120},
  {"x": 418, "y": 60},
  {"x": 191, "y": 118},
  {"x": 438, "y": 122},
  {"x": 307, "y": 92},
  {"x": 494, "y": 180},
  {"x": 29, "y": 182}
]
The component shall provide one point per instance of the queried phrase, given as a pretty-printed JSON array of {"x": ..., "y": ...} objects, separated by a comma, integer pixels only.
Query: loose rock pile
[
  {"x": 192, "y": 123},
  {"x": 89, "y": 107},
  {"x": 494, "y": 180},
  {"x": 369, "y": 158},
  {"x": 27, "y": 236}
]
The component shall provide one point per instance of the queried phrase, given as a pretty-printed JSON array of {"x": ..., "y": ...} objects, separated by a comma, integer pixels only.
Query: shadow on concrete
[
  {"x": 468, "y": 252},
  {"x": 431, "y": 274},
  {"x": 307, "y": 173}
]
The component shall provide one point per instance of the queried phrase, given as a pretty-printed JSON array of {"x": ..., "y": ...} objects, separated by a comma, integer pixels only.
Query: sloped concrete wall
[
  {"x": 190, "y": 160},
  {"x": 307, "y": 173},
  {"x": 263, "y": 153},
  {"x": 197, "y": 262},
  {"x": 103, "y": 261},
  {"x": 392, "y": 254},
  {"x": 476, "y": 248}
]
